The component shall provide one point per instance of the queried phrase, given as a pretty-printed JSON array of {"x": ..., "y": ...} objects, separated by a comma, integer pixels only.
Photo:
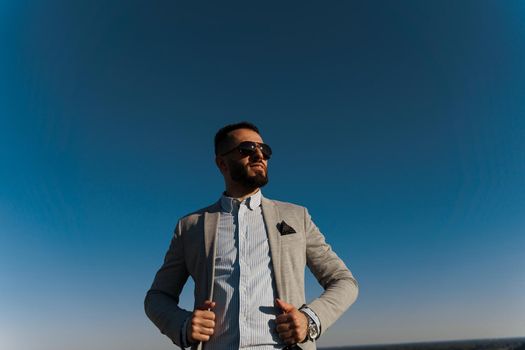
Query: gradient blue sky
[{"x": 399, "y": 124}]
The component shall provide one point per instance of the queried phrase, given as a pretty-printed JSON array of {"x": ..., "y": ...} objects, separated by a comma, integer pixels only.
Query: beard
[{"x": 240, "y": 175}]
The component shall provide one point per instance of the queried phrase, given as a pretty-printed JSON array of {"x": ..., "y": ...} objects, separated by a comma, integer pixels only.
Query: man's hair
[{"x": 223, "y": 134}]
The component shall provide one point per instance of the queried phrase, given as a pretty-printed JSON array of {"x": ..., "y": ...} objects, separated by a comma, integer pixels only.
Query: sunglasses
[{"x": 248, "y": 148}]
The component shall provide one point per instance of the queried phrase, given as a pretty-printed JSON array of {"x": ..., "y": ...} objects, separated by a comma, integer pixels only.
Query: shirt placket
[{"x": 244, "y": 273}]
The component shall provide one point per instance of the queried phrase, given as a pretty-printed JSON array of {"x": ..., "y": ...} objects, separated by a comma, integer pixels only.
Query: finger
[
  {"x": 291, "y": 335},
  {"x": 207, "y": 305},
  {"x": 284, "y": 305},
  {"x": 209, "y": 315},
  {"x": 205, "y": 330},
  {"x": 205, "y": 323},
  {"x": 205, "y": 314},
  {"x": 284, "y": 327},
  {"x": 283, "y": 318},
  {"x": 286, "y": 334},
  {"x": 290, "y": 341},
  {"x": 201, "y": 333},
  {"x": 198, "y": 323},
  {"x": 293, "y": 318},
  {"x": 200, "y": 337},
  {"x": 298, "y": 336}
]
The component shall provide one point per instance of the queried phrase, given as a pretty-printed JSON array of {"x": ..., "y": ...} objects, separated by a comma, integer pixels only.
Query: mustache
[{"x": 258, "y": 163}]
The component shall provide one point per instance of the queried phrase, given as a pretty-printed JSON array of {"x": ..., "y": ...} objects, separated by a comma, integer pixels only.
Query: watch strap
[{"x": 312, "y": 318}]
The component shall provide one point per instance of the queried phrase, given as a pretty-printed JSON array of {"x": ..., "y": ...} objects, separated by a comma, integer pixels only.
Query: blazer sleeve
[
  {"x": 340, "y": 287},
  {"x": 162, "y": 300}
]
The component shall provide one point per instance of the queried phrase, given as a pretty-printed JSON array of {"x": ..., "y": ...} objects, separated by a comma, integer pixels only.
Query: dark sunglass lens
[
  {"x": 266, "y": 151},
  {"x": 247, "y": 148}
]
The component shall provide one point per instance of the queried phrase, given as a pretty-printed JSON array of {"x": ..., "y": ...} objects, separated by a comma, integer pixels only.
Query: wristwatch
[{"x": 312, "y": 331}]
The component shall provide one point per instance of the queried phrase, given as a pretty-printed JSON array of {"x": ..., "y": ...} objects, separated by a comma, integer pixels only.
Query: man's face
[{"x": 249, "y": 171}]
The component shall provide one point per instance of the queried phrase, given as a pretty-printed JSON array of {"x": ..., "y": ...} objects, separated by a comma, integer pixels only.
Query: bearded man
[{"x": 247, "y": 256}]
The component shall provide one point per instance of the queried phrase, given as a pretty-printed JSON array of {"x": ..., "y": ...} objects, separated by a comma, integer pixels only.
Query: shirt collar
[{"x": 229, "y": 203}]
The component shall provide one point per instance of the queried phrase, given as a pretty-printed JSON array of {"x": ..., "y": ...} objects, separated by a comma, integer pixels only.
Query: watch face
[{"x": 312, "y": 332}]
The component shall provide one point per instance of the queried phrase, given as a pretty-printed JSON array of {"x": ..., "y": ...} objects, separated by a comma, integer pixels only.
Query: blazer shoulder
[{"x": 193, "y": 217}]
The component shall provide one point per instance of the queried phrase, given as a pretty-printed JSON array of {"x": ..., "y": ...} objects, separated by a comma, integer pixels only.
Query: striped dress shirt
[{"x": 244, "y": 287}]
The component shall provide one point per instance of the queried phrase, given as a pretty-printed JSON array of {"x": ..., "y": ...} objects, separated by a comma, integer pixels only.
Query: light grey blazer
[{"x": 192, "y": 253}]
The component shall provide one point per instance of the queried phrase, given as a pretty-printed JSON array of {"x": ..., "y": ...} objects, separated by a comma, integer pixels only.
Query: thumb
[
  {"x": 284, "y": 305},
  {"x": 207, "y": 305}
]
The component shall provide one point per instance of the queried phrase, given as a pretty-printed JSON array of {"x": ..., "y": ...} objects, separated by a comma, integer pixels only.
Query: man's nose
[{"x": 258, "y": 153}]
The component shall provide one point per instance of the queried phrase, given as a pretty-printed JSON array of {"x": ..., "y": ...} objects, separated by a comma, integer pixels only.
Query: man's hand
[
  {"x": 202, "y": 323},
  {"x": 292, "y": 325}
]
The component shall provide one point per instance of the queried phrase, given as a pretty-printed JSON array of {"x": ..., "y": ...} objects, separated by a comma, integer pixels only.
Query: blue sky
[{"x": 400, "y": 125}]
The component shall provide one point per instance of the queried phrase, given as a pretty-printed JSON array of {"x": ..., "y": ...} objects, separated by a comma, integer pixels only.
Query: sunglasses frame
[{"x": 247, "y": 151}]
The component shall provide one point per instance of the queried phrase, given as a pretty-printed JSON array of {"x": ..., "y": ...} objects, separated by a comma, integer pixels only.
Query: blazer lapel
[
  {"x": 211, "y": 220},
  {"x": 271, "y": 218}
]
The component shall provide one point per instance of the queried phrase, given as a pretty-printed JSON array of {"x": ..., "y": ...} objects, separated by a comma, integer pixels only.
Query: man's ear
[{"x": 221, "y": 164}]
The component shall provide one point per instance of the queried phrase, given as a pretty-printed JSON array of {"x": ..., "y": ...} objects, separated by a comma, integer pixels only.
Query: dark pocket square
[{"x": 285, "y": 229}]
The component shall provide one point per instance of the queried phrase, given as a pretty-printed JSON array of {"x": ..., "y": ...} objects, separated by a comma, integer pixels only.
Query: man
[{"x": 247, "y": 255}]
